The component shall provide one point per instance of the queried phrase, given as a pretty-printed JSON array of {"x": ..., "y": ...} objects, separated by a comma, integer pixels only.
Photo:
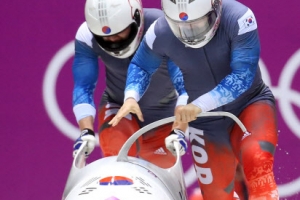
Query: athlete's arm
[
  {"x": 244, "y": 62},
  {"x": 144, "y": 63},
  {"x": 178, "y": 82},
  {"x": 85, "y": 75}
]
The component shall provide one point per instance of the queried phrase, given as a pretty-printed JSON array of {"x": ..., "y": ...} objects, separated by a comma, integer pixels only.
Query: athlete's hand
[
  {"x": 187, "y": 113},
  {"x": 86, "y": 135},
  {"x": 176, "y": 135},
  {"x": 130, "y": 106}
]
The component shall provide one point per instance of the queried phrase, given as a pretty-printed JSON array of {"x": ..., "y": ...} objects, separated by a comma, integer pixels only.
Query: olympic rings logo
[{"x": 283, "y": 93}]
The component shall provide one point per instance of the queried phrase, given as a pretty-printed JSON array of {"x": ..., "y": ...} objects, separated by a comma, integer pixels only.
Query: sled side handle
[
  {"x": 122, "y": 156},
  {"x": 79, "y": 162}
]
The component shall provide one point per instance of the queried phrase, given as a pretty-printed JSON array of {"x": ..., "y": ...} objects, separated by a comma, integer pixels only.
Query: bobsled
[{"x": 123, "y": 177}]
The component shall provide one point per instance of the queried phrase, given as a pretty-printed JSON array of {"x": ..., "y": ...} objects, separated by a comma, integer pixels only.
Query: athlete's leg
[
  {"x": 111, "y": 139},
  {"x": 214, "y": 161},
  {"x": 256, "y": 151},
  {"x": 153, "y": 147}
]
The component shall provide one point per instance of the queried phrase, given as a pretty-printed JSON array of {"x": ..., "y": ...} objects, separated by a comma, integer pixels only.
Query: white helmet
[
  {"x": 193, "y": 22},
  {"x": 110, "y": 17}
]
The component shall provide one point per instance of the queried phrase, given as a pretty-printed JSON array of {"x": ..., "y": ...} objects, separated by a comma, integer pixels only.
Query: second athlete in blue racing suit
[{"x": 94, "y": 42}]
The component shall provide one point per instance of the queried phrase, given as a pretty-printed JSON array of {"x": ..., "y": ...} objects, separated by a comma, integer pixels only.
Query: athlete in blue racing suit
[
  {"x": 217, "y": 48},
  {"x": 112, "y": 35}
]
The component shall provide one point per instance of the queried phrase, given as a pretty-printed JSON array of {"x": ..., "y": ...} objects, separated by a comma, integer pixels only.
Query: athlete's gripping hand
[
  {"x": 86, "y": 135},
  {"x": 187, "y": 113},
  {"x": 176, "y": 135},
  {"x": 130, "y": 106}
]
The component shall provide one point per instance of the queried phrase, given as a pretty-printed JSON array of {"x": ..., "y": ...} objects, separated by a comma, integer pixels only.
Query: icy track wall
[{"x": 37, "y": 122}]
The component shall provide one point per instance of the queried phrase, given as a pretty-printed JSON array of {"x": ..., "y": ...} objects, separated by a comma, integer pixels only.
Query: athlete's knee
[
  {"x": 111, "y": 141},
  {"x": 259, "y": 153}
]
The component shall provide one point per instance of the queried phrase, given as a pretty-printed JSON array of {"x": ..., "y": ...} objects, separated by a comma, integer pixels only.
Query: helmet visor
[{"x": 193, "y": 32}]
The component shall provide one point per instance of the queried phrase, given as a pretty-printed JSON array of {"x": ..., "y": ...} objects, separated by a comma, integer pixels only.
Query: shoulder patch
[
  {"x": 84, "y": 35},
  {"x": 247, "y": 22},
  {"x": 150, "y": 35}
]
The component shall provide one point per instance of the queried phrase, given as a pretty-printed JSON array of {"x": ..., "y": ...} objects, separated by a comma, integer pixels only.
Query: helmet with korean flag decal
[
  {"x": 193, "y": 22},
  {"x": 120, "y": 20}
]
